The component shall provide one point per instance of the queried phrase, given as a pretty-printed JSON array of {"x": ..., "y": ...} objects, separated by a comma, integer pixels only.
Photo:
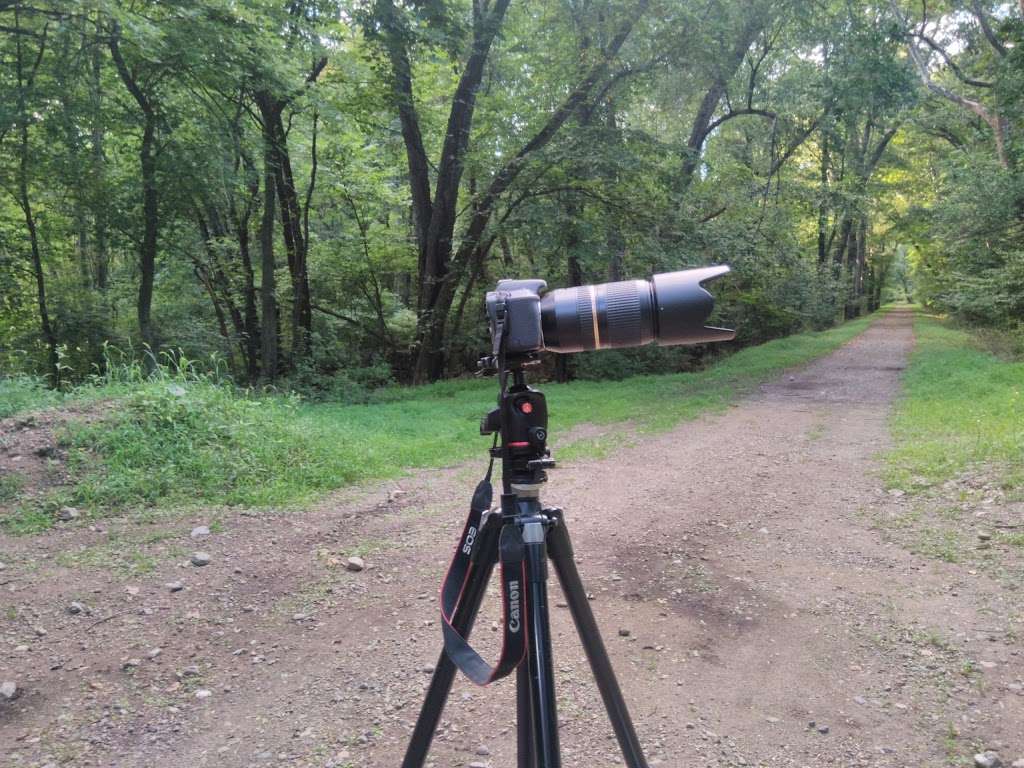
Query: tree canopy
[{"x": 318, "y": 193}]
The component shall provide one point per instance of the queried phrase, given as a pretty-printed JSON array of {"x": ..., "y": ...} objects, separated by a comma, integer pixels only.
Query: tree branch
[
  {"x": 990, "y": 34},
  {"x": 997, "y": 123},
  {"x": 767, "y": 114},
  {"x": 127, "y": 77},
  {"x": 950, "y": 63},
  {"x": 792, "y": 147}
]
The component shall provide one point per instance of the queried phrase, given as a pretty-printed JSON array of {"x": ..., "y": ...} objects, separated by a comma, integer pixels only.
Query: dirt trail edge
[{"x": 755, "y": 612}]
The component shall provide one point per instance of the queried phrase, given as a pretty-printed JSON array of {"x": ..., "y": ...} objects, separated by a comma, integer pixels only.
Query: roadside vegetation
[
  {"x": 22, "y": 393},
  {"x": 962, "y": 407},
  {"x": 181, "y": 438},
  {"x": 957, "y": 468}
]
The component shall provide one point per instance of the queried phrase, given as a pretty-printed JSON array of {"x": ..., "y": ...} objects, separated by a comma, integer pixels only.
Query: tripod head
[{"x": 521, "y": 421}]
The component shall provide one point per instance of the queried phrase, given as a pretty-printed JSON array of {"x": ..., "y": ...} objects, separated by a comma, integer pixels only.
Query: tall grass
[{"x": 180, "y": 437}]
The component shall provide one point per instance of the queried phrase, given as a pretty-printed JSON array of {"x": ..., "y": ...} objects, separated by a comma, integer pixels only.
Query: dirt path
[{"x": 771, "y": 622}]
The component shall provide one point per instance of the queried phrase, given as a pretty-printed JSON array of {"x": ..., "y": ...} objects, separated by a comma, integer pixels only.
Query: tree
[
  {"x": 441, "y": 266},
  {"x": 29, "y": 49}
]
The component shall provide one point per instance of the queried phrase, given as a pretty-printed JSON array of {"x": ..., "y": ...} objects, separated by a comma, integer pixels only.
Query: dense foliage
[{"x": 320, "y": 191}]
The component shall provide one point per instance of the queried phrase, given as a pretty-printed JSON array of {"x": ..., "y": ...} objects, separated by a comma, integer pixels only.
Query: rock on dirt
[
  {"x": 175, "y": 586},
  {"x": 199, "y": 559},
  {"x": 9, "y": 690},
  {"x": 355, "y": 564},
  {"x": 67, "y": 513},
  {"x": 987, "y": 759},
  {"x": 200, "y": 531}
]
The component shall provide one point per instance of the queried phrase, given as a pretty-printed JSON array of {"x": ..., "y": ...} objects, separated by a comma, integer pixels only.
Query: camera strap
[{"x": 468, "y": 555}]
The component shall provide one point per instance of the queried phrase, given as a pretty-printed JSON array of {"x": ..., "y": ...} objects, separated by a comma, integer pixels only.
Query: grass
[
  {"x": 126, "y": 554},
  {"x": 24, "y": 393},
  {"x": 183, "y": 440},
  {"x": 10, "y": 486},
  {"x": 962, "y": 407}
]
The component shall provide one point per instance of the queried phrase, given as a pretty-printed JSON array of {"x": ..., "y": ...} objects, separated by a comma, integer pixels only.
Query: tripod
[{"x": 521, "y": 421}]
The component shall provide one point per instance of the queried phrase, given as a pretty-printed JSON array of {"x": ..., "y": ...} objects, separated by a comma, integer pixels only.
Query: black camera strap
[{"x": 468, "y": 556}]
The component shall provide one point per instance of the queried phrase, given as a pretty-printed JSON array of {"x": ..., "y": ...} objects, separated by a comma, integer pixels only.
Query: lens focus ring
[
  {"x": 586, "y": 312},
  {"x": 622, "y": 315}
]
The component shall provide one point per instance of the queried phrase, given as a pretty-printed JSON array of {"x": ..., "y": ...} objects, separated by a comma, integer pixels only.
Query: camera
[{"x": 670, "y": 308}]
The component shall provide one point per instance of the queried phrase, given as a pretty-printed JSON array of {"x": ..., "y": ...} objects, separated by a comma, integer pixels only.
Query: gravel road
[{"x": 769, "y": 614}]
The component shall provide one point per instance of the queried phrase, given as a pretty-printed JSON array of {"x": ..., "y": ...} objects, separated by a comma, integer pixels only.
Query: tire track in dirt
[{"x": 739, "y": 550}]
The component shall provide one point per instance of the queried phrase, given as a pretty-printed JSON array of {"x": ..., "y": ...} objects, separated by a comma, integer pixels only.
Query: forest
[{"x": 316, "y": 194}]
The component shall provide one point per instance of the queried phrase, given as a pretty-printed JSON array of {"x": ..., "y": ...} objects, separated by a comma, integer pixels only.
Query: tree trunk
[
  {"x": 252, "y": 318},
  {"x": 574, "y": 272},
  {"x": 268, "y": 281},
  {"x": 444, "y": 273},
  {"x": 699, "y": 129},
  {"x": 823, "y": 200},
  {"x": 151, "y": 223},
  {"x": 240, "y": 221},
  {"x": 150, "y": 212},
  {"x": 861, "y": 266},
  {"x": 291, "y": 224},
  {"x": 25, "y": 81},
  {"x": 49, "y": 337},
  {"x": 100, "y": 257},
  {"x": 220, "y": 286}
]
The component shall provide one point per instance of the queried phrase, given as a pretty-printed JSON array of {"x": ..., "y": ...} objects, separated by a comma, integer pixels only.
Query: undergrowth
[{"x": 179, "y": 437}]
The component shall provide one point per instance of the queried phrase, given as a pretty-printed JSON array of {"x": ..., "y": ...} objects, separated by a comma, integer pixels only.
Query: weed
[
  {"x": 27, "y": 518},
  {"x": 952, "y": 744},
  {"x": 939, "y": 544},
  {"x": 367, "y": 547},
  {"x": 124, "y": 555},
  {"x": 10, "y": 486}
]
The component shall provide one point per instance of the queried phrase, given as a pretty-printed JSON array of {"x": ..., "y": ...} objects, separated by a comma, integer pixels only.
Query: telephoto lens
[{"x": 670, "y": 309}]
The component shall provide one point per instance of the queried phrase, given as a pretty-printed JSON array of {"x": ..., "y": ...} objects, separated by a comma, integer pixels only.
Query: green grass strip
[
  {"x": 178, "y": 442},
  {"x": 961, "y": 406}
]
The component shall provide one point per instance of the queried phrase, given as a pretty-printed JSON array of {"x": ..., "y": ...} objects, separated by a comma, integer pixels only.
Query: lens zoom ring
[
  {"x": 623, "y": 303},
  {"x": 585, "y": 315}
]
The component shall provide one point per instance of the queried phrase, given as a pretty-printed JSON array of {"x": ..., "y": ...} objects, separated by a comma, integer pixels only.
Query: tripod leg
[
  {"x": 560, "y": 550},
  {"x": 444, "y": 672},
  {"x": 538, "y": 659},
  {"x": 526, "y": 757}
]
